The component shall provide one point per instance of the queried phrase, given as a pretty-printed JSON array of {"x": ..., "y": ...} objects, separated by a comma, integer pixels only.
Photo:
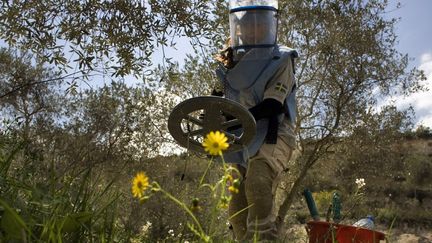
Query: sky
[{"x": 414, "y": 31}]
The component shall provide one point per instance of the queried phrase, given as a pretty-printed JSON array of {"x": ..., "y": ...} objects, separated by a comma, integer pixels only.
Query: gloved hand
[
  {"x": 266, "y": 109},
  {"x": 225, "y": 56}
]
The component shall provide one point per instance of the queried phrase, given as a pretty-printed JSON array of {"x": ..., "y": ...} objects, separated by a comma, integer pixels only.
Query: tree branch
[{"x": 35, "y": 83}]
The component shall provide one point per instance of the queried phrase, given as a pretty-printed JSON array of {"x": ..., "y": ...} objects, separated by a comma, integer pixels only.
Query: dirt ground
[{"x": 418, "y": 236}]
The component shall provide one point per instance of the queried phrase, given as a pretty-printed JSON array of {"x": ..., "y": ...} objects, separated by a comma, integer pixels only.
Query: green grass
[{"x": 50, "y": 199}]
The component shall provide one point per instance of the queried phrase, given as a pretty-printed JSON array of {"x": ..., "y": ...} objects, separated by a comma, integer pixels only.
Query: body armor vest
[{"x": 250, "y": 78}]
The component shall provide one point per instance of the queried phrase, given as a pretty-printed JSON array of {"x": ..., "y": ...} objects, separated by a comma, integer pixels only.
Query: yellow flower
[
  {"x": 224, "y": 202},
  {"x": 234, "y": 188},
  {"x": 140, "y": 183},
  {"x": 215, "y": 143}
]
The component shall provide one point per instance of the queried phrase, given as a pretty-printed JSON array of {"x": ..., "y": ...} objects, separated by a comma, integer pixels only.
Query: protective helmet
[{"x": 253, "y": 24}]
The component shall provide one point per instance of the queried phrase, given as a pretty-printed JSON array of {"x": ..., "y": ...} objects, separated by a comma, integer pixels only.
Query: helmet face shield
[
  {"x": 253, "y": 28},
  {"x": 253, "y": 24}
]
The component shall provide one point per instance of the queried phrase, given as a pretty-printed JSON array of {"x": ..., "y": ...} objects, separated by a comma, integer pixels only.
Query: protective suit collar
[{"x": 244, "y": 74}]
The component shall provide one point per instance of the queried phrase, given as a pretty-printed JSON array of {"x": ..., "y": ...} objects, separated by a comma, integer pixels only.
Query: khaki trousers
[{"x": 257, "y": 190}]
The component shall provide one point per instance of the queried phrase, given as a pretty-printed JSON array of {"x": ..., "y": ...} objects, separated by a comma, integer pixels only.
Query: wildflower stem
[
  {"x": 184, "y": 207},
  {"x": 205, "y": 172},
  {"x": 219, "y": 197},
  {"x": 240, "y": 211},
  {"x": 389, "y": 233}
]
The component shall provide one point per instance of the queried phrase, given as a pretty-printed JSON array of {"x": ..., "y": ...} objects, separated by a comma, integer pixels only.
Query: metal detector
[{"x": 191, "y": 120}]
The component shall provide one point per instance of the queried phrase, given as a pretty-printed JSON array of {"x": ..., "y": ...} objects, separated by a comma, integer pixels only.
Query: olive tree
[
  {"x": 348, "y": 64},
  {"x": 114, "y": 36}
]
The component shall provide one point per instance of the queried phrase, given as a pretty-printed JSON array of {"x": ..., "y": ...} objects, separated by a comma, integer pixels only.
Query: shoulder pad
[{"x": 282, "y": 51}]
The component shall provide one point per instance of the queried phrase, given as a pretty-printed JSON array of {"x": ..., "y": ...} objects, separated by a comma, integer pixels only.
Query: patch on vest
[{"x": 281, "y": 88}]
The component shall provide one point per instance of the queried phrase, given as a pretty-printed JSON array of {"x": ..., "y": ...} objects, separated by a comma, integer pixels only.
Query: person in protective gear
[{"x": 259, "y": 74}]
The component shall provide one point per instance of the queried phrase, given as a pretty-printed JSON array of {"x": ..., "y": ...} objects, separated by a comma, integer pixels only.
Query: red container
[{"x": 324, "y": 232}]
